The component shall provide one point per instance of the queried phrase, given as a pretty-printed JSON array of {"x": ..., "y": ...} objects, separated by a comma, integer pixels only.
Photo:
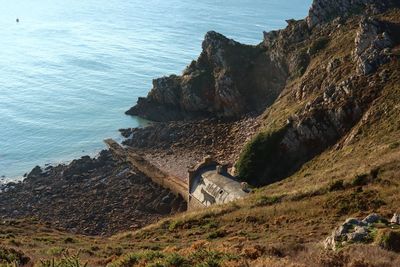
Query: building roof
[{"x": 225, "y": 182}]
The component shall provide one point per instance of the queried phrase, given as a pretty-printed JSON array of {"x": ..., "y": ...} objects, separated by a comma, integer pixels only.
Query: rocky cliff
[
  {"x": 316, "y": 66},
  {"x": 230, "y": 79},
  {"x": 349, "y": 63},
  {"x": 227, "y": 80},
  {"x": 323, "y": 11},
  {"x": 323, "y": 136}
]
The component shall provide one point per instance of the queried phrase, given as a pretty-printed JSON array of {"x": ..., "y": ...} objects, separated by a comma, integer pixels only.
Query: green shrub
[
  {"x": 360, "y": 180},
  {"x": 302, "y": 60},
  {"x": 394, "y": 145},
  {"x": 65, "y": 261},
  {"x": 127, "y": 260},
  {"x": 259, "y": 163},
  {"x": 175, "y": 260},
  {"x": 69, "y": 240},
  {"x": 389, "y": 240},
  {"x": 336, "y": 186},
  {"x": 216, "y": 234},
  {"x": 55, "y": 251},
  {"x": 11, "y": 256}
]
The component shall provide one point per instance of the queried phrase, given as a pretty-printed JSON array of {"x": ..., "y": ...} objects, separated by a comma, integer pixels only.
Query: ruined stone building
[{"x": 210, "y": 183}]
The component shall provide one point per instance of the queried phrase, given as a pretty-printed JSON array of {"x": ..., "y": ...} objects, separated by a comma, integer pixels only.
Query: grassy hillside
[{"x": 281, "y": 224}]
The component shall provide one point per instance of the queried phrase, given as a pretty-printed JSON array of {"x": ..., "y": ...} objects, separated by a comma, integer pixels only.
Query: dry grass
[{"x": 278, "y": 225}]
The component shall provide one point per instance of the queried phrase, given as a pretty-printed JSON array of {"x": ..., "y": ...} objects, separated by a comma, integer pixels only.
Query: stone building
[{"x": 210, "y": 183}]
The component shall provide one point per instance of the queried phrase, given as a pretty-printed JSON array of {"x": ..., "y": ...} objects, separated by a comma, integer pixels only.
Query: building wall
[{"x": 194, "y": 204}]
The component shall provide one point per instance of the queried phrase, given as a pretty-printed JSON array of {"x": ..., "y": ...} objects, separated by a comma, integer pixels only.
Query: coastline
[{"x": 67, "y": 159}]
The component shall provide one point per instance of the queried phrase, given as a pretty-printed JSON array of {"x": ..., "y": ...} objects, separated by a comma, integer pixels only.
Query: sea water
[{"x": 69, "y": 69}]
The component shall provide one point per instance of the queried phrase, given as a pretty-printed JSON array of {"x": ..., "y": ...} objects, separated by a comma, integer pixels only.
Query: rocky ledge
[
  {"x": 94, "y": 196},
  {"x": 373, "y": 228}
]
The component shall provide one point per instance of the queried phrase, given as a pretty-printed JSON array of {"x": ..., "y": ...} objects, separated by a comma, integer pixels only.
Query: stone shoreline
[{"x": 93, "y": 196}]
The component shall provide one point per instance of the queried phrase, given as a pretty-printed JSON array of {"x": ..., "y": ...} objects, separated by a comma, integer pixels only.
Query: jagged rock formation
[
  {"x": 228, "y": 80},
  {"x": 352, "y": 230},
  {"x": 323, "y": 11},
  {"x": 330, "y": 89},
  {"x": 364, "y": 231},
  {"x": 372, "y": 46}
]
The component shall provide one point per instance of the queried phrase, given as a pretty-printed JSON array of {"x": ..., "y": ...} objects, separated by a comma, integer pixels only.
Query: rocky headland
[{"x": 310, "y": 115}]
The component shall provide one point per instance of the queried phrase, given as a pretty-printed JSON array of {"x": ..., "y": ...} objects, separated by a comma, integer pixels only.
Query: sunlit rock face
[
  {"x": 323, "y": 11},
  {"x": 228, "y": 80}
]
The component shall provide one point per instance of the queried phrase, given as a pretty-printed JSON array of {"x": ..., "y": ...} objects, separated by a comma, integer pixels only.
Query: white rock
[{"x": 395, "y": 219}]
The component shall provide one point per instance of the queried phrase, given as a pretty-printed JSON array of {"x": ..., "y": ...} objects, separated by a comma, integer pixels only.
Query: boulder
[
  {"x": 395, "y": 219},
  {"x": 352, "y": 230},
  {"x": 35, "y": 173},
  {"x": 372, "y": 218}
]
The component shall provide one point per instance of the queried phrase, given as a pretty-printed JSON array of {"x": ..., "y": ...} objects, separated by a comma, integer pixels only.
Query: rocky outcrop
[
  {"x": 282, "y": 47},
  {"x": 317, "y": 126},
  {"x": 365, "y": 231},
  {"x": 373, "y": 45},
  {"x": 352, "y": 231},
  {"x": 323, "y": 11},
  {"x": 395, "y": 219},
  {"x": 228, "y": 80}
]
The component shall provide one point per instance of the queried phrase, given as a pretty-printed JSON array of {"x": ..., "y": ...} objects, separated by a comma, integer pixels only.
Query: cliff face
[
  {"x": 323, "y": 11},
  {"x": 315, "y": 80},
  {"x": 227, "y": 80},
  {"x": 349, "y": 65},
  {"x": 230, "y": 79}
]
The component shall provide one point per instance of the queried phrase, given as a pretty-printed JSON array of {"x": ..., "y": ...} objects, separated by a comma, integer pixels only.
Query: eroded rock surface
[
  {"x": 323, "y": 11},
  {"x": 373, "y": 45},
  {"x": 228, "y": 80},
  {"x": 353, "y": 231}
]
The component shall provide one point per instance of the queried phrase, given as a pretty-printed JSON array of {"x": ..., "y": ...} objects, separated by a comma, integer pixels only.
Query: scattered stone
[
  {"x": 333, "y": 65},
  {"x": 89, "y": 196},
  {"x": 372, "y": 218},
  {"x": 395, "y": 219}
]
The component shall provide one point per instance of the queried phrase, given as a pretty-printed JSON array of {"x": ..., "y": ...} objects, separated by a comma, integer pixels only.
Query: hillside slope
[{"x": 328, "y": 149}]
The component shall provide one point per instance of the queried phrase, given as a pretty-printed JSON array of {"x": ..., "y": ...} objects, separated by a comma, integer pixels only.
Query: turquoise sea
[{"x": 69, "y": 69}]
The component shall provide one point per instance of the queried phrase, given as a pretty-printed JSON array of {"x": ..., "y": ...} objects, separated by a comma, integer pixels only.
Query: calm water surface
[{"x": 69, "y": 69}]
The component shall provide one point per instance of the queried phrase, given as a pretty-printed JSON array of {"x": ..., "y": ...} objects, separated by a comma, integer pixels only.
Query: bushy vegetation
[
  {"x": 389, "y": 240},
  {"x": 196, "y": 257},
  {"x": 9, "y": 257},
  {"x": 65, "y": 261},
  {"x": 261, "y": 152}
]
